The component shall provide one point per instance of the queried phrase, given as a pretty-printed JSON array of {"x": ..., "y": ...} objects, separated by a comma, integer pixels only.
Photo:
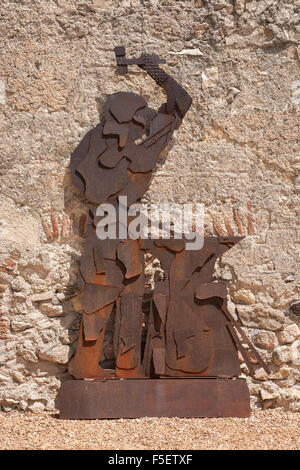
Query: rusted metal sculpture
[
  {"x": 191, "y": 333},
  {"x": 107, "y": 164}
]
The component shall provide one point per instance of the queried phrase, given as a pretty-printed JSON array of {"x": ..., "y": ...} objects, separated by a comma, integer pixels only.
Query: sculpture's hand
[
  {"x": 178, "y": 99},
  {"x": 123, "y": 62}
]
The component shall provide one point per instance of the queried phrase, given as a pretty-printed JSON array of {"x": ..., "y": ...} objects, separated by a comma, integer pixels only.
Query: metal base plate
[{"x": 168, "y": 397}]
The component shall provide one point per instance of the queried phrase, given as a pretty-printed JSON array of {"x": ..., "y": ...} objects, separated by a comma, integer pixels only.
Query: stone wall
[{"x": 236, "y": 152}]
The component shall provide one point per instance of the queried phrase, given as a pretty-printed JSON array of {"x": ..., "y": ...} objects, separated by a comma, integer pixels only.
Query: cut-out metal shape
[{"x": 190, "y": 332}]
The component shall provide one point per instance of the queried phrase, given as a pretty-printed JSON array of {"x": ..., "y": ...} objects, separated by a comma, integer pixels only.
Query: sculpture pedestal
[{"x": 168, "y": 397}]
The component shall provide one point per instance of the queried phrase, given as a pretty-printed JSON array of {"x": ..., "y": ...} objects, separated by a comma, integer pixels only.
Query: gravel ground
[{"x": 270, "y": 429}]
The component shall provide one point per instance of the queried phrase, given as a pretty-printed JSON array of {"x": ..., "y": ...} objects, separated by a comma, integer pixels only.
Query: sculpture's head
[
  {"x": 127, "y": 116},
  {"x": 123, "y": 106}
]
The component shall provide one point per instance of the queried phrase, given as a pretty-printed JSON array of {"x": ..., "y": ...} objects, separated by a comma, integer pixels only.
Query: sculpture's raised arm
[{"x": 178, "y": 99}]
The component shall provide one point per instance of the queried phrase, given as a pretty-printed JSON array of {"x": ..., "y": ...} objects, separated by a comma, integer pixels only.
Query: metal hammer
[{"x": 123, "y": 62}]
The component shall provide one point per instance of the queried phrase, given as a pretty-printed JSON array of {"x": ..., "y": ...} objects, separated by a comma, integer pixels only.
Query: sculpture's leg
[
  {"x": 128, "y": 360},
  {"x": 128, "y": 329},
  {"x": 85, "y": 363},
  {"x": 148, "y": 352},
  {"x": 128, "y": 324},
  {"x": 155, "y": 351}
]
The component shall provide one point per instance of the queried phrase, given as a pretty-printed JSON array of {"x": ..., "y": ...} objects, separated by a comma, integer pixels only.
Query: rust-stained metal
[
  {"x": 120, "y": 54},
  {"x": 128, "y": 254},
  {"x": 192, "y": 340},
  {"x": 123, "y": 62},
  {"x": 134, "y": 398},
  {"x": 107, "y": 164}
]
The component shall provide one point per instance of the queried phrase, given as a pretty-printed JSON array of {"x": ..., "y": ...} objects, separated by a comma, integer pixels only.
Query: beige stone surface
[
  {"x": 265, "y": 339},
  {"x": 237, "y": 152},
  {"x": 289, "y": 334}
]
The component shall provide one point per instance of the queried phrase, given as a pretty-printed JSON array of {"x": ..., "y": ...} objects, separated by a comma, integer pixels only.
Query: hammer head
[{"x": 120, "y": 53}]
